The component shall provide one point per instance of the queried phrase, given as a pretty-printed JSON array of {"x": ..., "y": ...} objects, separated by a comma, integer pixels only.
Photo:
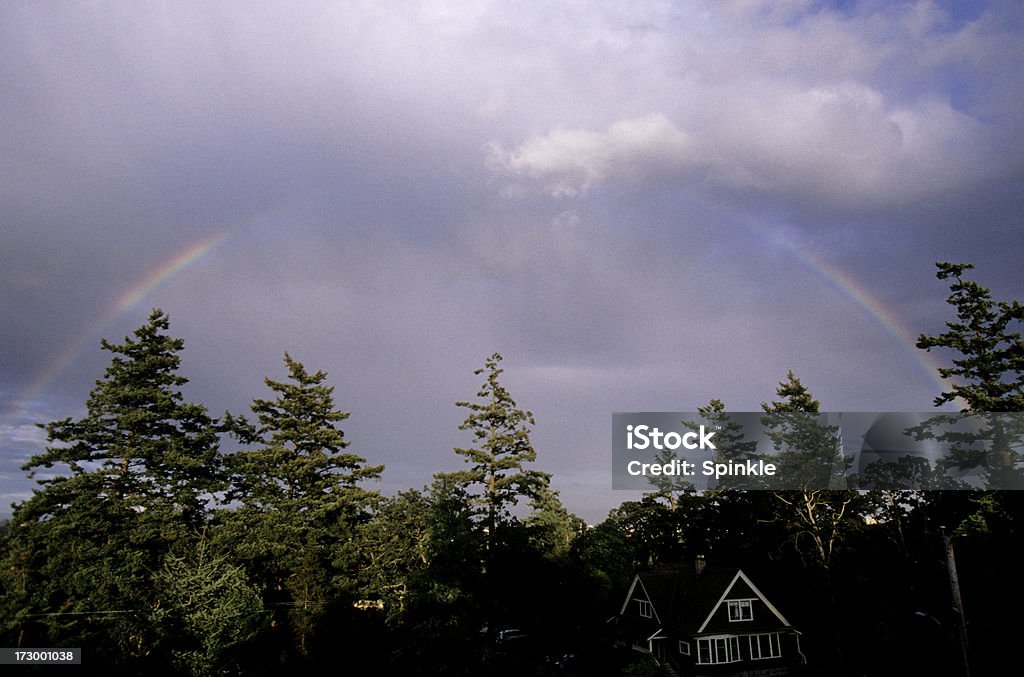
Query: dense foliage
[{"x": 162, "y": 540}]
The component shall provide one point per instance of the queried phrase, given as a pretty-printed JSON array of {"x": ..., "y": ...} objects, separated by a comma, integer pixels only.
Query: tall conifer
[
  {"x": 498, "y": 462},
  {"x": 134, "y": 479},
  {"x": 299, "y": 501},
  {"x": 989, "y": 366}
]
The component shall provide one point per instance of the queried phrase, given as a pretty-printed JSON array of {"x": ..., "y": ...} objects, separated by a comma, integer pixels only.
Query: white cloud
[
  {"x": 876, "y": 106},
  {"x": 570, "y": 160},
  {"x": 843, "y": 144}
]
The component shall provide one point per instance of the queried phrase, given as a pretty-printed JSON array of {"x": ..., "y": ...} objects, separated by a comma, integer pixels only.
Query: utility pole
[{"x": 958, "y": 604}]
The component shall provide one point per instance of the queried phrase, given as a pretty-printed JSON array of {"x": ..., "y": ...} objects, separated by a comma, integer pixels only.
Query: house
[{"x": 708, "y": 621}]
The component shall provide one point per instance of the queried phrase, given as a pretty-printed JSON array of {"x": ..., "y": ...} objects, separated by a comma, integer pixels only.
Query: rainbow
[
  {"x": 126, "y": 301},
  {"x": 841, "y": 281},
  {"x": 856, "y": 292},
  {"x": 184, "y": 259}
]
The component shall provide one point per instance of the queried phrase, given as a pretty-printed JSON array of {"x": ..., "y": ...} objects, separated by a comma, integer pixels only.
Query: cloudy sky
[{"x": 641, "y": 205}]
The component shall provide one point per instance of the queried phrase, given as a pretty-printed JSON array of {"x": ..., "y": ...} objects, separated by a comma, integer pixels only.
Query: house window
[
  {"x": 645, "y": 608},
  {"x": 724, "y": 649},
  {"x": 765, "y": 646},
  {"x": 684, "y": 648},
  {"x": 740, "y": 610}
]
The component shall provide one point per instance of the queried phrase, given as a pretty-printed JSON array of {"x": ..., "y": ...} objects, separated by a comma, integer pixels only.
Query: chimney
[{"x": 698, "y": 564}]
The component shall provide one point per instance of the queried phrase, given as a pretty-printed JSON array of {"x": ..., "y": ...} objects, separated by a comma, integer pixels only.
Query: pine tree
[
  {"x": 989, "y": 384},
  {"x": 210, "y": 609},
  {"x": 443, "y": 605},
  {"x": 141, "y": 467},
  {"x": 990, "y": 366},
  {"x": 730, "y": 444},
  {"x": 300, "y": 463},
  {"x": 498, "y": 463},
  {"x": 551, "y": 527},
  {"x": 811, "y": 456},
  {"x": 299, "y": 500},
  {"x": 140, "y": 444},
  {"x": 394, "y": 544},
  {"x": 497, "y": 477},
  {"x": 810, "y": 453}
]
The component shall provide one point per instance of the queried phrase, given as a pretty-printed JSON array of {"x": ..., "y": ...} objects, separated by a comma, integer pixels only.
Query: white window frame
[
  {"x": 646, "y": 606},
  {"x": 736, "y": 607},
  {"x": 684, "y": 648},
  {"x": 774, "y": 646},
  {"x": 718, "y": 649}
]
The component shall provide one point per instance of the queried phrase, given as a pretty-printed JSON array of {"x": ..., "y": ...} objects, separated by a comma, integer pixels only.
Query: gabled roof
[
  {"x": 635, "y": 593},
  {"x": 741, "y": 577},
  {"x": 685, "y": 603}
]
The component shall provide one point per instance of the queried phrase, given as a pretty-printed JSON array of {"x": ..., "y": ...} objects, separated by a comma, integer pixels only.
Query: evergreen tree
[
  {"x": 444, "y": 597},
  {"x": 299, "y": 502},
  {"x": 810, "y": 455},
  {"x": 140, "y": 444},
  {"x": 810, "y": 452},
  {"x": 452, "y": 552},
  {"x": 300, "y": 463},
  {"x": 551, "y": 527},
  {"x": 497, "y": 477},
  {"x": 988, "y": 380},
  {"x": 990, "y": 366},
  {"x": 733, "y": 522},
  {"x": 730, "y": 444},
  {"x": 498, "y": 471},
  {"x": 987, "y": 375},
  {"x": 210, "y": 609},
  {"x": 141, "y": 467},
  {"x": 730, "y": 440},
  {"x": 395, "y": 546}
]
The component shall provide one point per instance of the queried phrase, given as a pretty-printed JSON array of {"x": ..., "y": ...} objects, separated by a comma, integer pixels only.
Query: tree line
[{"x": 164, "y": 540}]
